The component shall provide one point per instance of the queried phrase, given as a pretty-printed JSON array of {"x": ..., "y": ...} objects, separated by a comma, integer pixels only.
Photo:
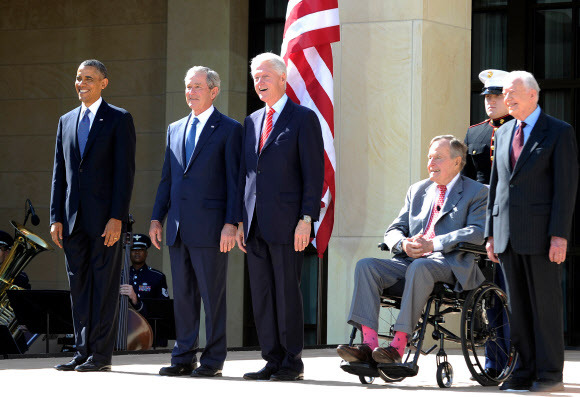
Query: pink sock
[
  {"x": 400, "y": 342},
  {"x": 370, "y": 337}
]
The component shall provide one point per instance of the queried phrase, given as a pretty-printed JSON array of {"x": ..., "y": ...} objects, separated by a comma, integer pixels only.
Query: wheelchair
[{"x": 481, "y": 330}]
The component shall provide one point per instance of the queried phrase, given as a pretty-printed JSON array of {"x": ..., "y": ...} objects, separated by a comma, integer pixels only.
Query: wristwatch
[{"x": 306, "y": 218}]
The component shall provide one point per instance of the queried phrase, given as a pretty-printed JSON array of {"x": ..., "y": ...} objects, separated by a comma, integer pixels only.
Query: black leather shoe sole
[
  {"x": 264, "y": 374},
  {"x": 93, "y": 368},
  {"x": 287, "y": 377},
  {"x": 206, "y": 372},
  {"x": 177, "y": 370}
]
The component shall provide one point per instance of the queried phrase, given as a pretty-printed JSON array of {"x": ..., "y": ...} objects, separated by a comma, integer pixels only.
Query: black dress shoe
[
  {"x": 91, "y": 366},
  {"x": 355, "y": 354},
  {"x": 286, "y": 374},
  {"x": 178, "y": 369},
  {"x": 516, "y": 384},
  {"x": 547, "y": 386},
  {"x": 263, "y": 374},
  {"x": 206, "y": 372},
  {"x": 70, "y": 366}
]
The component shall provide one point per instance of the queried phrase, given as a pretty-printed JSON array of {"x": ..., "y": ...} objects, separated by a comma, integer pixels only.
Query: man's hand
[
  {"x": 558, "y": 247},
  {"x": 112, "y": 232},
  {"x": 240, "y": 238},
  {"x": 302, "y": 235},
  {"x": 56, "y": 233},
  {"x": 417, "y": 246},
  {"x": 489, "y": 248},
  {"x": 126, "y": 289},
  {"x": 156, "y": 233},
  {"x": 228, "y": 237}
]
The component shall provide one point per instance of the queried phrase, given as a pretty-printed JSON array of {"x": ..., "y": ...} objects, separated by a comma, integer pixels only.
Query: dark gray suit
[
  {"x": 462, "y": 220},
  {"x": 526, "y": 207}
]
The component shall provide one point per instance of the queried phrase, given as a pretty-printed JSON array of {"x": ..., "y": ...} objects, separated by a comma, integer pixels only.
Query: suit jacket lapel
[
  {"x": 210, "y": 126},
  {"x": 71, "y": 127},
  {"x": 283, "y": 119},
  {"x": 453, "y": 198},
  {"x": 425, "y": 213},
  {"x": 179, "y": 141},
  {"x": 98, "y": 123},
  {"x": 536, "y": 136},
  {"x": 258, "y": 125}
]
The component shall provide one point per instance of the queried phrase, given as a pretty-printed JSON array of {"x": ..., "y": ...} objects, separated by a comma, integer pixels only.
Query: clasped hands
[{"x": 417, "y": 246}]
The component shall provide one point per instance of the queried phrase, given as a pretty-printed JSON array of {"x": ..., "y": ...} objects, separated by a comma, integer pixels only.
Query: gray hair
[
  {"x": 276, "y": 61},
  {"x": 458, "y": 148},
  {"x": 527, "y": 79},
  {"x": 100, "y": 66},
  {"x": 211, "y": 76}
]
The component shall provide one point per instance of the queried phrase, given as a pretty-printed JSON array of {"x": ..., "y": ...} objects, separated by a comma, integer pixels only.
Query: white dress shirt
[
  {"x": 93, "y": 108},
  {"x": 202, "y": 120}
]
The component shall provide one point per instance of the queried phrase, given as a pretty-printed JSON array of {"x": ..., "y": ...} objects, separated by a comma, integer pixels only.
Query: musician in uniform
[
  {"x": 21, "y": 280},
  {"x": 480, "y": 137},
  {"x": 146, "y": 281},
  {"x": 480, "y": 141}
]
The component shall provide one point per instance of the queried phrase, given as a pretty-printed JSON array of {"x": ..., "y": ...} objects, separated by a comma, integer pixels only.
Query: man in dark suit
[
  {"x": 438, "y": 214},
  {"x": 196, "y": 194},
  {"x": 480, "y": 137},
  {"x": 531, "y": 199},
  {"x": 94, "y": 166},
  {"x": 281, "y": 176}
]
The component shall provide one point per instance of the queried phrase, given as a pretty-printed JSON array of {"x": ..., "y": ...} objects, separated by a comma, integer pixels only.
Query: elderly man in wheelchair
[{"x": 440, "y": 213}]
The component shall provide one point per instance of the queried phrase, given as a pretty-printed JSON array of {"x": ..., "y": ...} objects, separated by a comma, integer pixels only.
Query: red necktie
[
  {"x": 267, "y": 129},
  {"x": 430, "y": 230},
  {"x": 517, "y": 144}
]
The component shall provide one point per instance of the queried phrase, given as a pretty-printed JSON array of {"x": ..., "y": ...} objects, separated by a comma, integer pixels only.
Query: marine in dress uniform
[{"x": 480, "y": 137}]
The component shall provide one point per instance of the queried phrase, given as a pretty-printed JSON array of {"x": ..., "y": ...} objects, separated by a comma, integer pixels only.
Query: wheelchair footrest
[
  {"x": 360, "y": 369},
  {"x": 396, "y": 370}
]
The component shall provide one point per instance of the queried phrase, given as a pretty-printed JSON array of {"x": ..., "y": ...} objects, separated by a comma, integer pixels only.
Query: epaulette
[{"x": 483, "y": 122}]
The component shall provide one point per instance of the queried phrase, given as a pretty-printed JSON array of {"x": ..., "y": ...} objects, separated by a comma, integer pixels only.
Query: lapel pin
[
  {"x": 100, "y": 119},
  {"x": 212, "y": 126}
]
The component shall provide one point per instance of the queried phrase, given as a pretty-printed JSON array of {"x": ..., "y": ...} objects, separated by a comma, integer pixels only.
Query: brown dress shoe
[
  {"x": 354, "y": 354},
  {"x": 386, "y": 355}
]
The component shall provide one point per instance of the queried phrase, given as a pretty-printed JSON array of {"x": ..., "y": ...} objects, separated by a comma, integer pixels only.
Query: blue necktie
[
  {"x": 190, "y": 140},
  {"x": 83, "y": 131}
]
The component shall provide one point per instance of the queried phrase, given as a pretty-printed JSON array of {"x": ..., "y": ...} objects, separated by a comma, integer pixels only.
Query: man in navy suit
[
  {"x": 532, "y": 194},
  {"x": 281, "y": 177},
  {"x": 196, "y": 194},
  {"x": 94, "y": 166}
]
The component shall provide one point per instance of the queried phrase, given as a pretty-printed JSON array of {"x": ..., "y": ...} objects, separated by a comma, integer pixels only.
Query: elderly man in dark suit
[
  {"x": 439, "y": 213},
  {"x": 196, "y": 198},
  {"x": 92, "y": 181},
  {"x": 529, "y": 216},
  {"x": 281, "y": 177}
]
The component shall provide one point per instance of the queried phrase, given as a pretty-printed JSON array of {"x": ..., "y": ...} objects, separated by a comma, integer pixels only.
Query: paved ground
[{"x": 136, "y": 375}]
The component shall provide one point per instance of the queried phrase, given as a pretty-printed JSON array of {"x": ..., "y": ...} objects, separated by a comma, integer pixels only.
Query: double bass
[{"x": 134, "y": 331}]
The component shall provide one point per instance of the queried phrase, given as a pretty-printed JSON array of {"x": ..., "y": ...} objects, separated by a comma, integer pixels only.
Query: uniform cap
[
  {"x": 6, "y": 240},
  {"x": 492, "y": 80},
  {"x": 141, "y": 241}
]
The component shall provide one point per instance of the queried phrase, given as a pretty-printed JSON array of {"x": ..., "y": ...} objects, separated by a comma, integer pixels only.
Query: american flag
[{"x": 311, "y": 25}]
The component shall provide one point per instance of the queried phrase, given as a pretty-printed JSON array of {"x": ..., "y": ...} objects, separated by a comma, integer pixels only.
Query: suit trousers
[
  {"x": 275, "y": 274},
  {"x": 94, "y": 275},
  {"x": 199, "y": 273},
  {"x": 536, "y": 313},
  {"x": 373, "y": 275}
]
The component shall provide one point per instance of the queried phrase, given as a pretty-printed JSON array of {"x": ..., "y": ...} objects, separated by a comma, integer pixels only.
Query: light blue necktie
[
  {"x": 83, "y": 131},
  {"x": 190, "y": 140}
]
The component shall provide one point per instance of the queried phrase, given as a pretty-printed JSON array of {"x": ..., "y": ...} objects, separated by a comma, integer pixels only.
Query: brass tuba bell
[{"x": 26, "y": 246}]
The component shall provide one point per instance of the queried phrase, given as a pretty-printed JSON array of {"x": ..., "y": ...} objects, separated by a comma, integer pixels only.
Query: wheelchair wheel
[
  {"x": 366, "y": 380},
  {"x": 484, "y": 321},
  {"x": 444, "y": 374}
]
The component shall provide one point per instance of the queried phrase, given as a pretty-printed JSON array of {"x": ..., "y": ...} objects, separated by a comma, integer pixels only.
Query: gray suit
[{"x": 462, "y": 220}]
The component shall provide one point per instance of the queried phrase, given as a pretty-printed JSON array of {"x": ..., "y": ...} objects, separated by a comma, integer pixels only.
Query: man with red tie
[
  {"x": 532, "y": 193},
  {"x": 279, "y": 190}
]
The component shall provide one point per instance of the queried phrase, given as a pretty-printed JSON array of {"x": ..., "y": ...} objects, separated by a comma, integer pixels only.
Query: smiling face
[
  {"x": 441, "y": 166},
  {"x": 89, "y": 84},
  {"x": 197, "y": 93},
  {"x": 520, "y": 100},
  {"x": 269, "y": 85},
  {"x": 494, "y": 106}
]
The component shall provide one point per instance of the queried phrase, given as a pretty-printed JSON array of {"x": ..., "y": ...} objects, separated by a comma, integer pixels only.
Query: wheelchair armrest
[
  {"x": 473, "y": 248},
  {"x": 383, "y": 247}
]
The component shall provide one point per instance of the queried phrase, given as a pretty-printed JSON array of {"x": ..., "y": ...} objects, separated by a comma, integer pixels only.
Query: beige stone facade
[{"x": 401, "y": 71}]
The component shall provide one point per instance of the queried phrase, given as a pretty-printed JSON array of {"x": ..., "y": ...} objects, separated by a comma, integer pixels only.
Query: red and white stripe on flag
[{"x": 311, "y": 25}]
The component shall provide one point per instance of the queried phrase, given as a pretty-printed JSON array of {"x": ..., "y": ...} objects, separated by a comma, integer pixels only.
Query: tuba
[{"x": 26, "y": 246}]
